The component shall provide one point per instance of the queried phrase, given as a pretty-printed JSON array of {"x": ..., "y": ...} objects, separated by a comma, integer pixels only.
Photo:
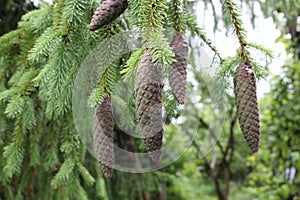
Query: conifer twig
[
  {"x": 239, "y": 30},
  {"x": 209, "y": 44},
  {"x": 176, "y": 16},
  {"x": 151, "y": 15}
]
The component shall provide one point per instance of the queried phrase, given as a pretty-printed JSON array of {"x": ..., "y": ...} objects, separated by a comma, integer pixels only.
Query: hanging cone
[
  {"x": 148, "y": 91},
  {"x": 107, "y": 12},
  {"x": 247, "y": 106},
  {"x": 177, "y": 71},
  {"x": 103, "y": 137}
]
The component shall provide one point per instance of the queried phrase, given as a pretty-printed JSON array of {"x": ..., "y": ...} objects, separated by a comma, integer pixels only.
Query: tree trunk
[
  {"x": 222, "y": 195},
  {"x": 227, "y": 180},
  {"x": 162, "y": 195}
]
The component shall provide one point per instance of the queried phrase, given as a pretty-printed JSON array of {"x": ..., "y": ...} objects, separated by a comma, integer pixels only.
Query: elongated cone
[
  {"x": 148, "y": 91},
  {"x": 247, "y": 106},
  {"x": 177, "y": 71},
  {"x": 103, "y": 137},
  {"x": 107, "y": 12}
]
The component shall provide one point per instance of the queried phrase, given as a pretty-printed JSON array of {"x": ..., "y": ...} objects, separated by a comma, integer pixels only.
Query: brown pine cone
[
  {"x": 247, "y": 106},
  {"x": 177, "y": 71},
  {"x": 148, "y": 96},
  {"x": 107, "y": 12},
  {"x": 103, "y": 137}
]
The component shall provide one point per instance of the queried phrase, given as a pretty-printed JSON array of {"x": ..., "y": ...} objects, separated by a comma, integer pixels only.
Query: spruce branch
[
  {"x": 134, "y": 14},
  {"x": 160, "y": 49},
  {"x": 152, "y": 15},
  {"x": 208, "y": 42},
  {"x": 21, "y": 85},
  {"x": 155, "y": 40},
  {"x": 176, "y": 16},
  {"x": 87, "y": 177},
  {"x": 57, "y": 13},
  {"x": 96, "y": 96},
  {"x": 37, "y": 20},
  {"x": 233, "y": 10},
  {"x": 129, "y": 70},
  {"x": 45, "y": 45},
  {"x": 74, "y": 12},
  {"x": 34, "y": 149},
  {"x": 176, "y": 7},
  {"x": 193, "y": 26},
  {"x": 226, "y": 70},
  {"x": 81, "y": 192},
  {"x": 8, "y": 42},
  {"x": 268, "y": 53},
  {"x": 148, "y": 14},
  {"x": 15, "y": 151},
  {"x": 15, "y": 107},
  {"x": 158, "y": 10},
  {"x": 14, "y": 155},
  {"x": 64, "y": 173},
  {"x": 107, "y": 82}
]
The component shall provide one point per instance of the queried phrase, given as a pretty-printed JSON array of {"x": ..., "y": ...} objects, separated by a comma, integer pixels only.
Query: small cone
[
  {"x": 148, "y": 96},
  {"x": 103, "y": 137},
  {"x": 247, "y": 106},
  {"x": 177, "y": 71},
  {"x": 107, "y": 12}
]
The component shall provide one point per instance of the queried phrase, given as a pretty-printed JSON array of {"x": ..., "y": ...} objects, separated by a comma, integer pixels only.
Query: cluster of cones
[
  {"x": 108, "y": 11},
  {"x": 148, "y": 95},
  {"x": 148, "y": 91}
]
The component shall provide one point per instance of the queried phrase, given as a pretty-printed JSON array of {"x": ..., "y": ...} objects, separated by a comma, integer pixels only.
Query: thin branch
[
  {"x": 239, "y": 30},
  {"x": 230, "y": 146},
  {"x": 230, "y": 142},
  {"x": 151, "y": 15},
  {"x": 212, "y": 133},
  {"x": 202, "y": 35},
  {"x": 214, "y": 13},
  {"x": 197, "y": 147},
  {"x": 231, "y": 139},
  {"x": 196, "y": 30},
  {"x": 227, "y": 181},
  {"x": 177, "y": 26}
]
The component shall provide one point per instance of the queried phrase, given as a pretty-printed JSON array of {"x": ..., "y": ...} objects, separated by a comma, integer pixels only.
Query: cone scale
[
  {"x": 103, "y": 137},
  {"x": 178, "y": 69},
  {"x": 148, "y": 96},
  {"x": 247, "y": 106},
  {"x": 108, "y": 11}
]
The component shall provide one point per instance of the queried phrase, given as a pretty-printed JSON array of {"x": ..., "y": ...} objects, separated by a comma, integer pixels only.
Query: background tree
[{"x": 11, "y": 12}]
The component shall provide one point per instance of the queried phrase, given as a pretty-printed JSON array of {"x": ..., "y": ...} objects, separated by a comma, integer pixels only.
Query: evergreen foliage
[
  {"x": 234, "y": 12},
  {"x": 42, "y": 156}
]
